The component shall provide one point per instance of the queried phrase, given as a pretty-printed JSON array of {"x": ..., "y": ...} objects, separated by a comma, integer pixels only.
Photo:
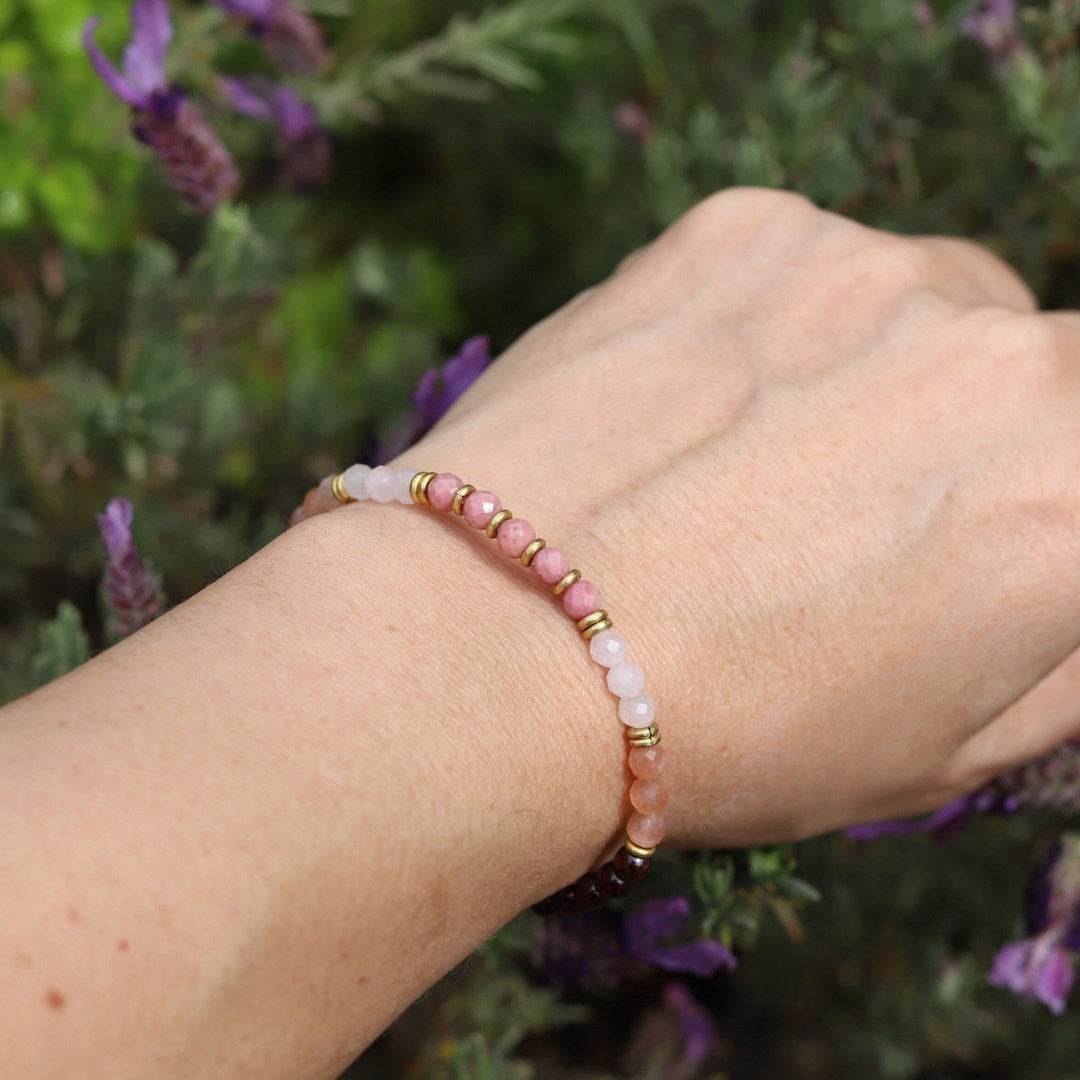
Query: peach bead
[
  {"x": 440, "y": 492},
  {"x": 319, "y": 500},
  {"x": 645, "y": 830},
  {"x": 480, "y": 507},
  {"x": 550, "y": 565},
  {"x": 514, "y": 536},
  {"x": 648, "y": 762},
  {"x": 648, "y": 796},
  {"x": 581, "y": 599}
]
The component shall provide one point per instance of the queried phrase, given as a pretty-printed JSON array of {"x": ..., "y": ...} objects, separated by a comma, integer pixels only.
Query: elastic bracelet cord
[{"x": 580, "y": 599}]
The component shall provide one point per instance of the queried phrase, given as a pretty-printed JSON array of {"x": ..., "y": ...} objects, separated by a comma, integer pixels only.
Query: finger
[
  {"x": 987, "y": 278},
  {"x": 1040, "y": 721}
]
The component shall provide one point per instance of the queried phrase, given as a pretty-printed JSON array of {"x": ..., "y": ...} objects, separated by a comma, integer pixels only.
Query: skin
[{"x": 827, "y": 481}]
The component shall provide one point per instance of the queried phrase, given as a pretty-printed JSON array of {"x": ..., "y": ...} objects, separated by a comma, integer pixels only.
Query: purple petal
[
  {"x": 260, "y": 10},
  {"x": 244, "y": 100},
  {"x": 144, "y": 58},
  {"x": 1054, "y": 980},
  {"x": 115, "y": 525},
  {"x": 441, "y": 387},
  {"x": 103, "y": 66},
  {"x": 295, "y": 119},
  {"x": 702, "y": 958},
  {"x": 654, "y": 920},
  {"x": 941, "y": 822},
  {"x": 1011, "y": 967},
  {"x": 698, "y": 1028}
]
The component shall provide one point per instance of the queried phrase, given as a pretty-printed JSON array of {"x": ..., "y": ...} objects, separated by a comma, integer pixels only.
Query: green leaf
[{"x": 63, "y": 645}]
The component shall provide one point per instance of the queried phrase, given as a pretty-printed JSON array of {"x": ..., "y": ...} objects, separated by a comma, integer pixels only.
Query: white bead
[
  {"x": 380, "y": 484},
  {"x": 402, "y": 480},
  {"x": 637, "y": 711},
  {"x": 608, "y": 648},
  {"x": 625, "y": 680},
  {"x": 354, "y": 481}
]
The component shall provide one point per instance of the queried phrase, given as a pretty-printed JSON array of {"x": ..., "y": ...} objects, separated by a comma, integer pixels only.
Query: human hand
[{"x": 827, "y": 480}]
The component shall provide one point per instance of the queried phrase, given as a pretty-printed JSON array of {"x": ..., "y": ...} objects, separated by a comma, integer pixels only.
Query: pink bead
[
  {"x": 550, "y": 565},
  {"x": 380, "y": 484},
  {"x": 319, "y": 500},
  {"x": 480, "y": 507},
  {"x": 514, "y": 536},
  {"x": 646, "y": 830},
  {"x": 626, "y": 680},
  {"x": 441, "y": 490},
  {"x": 297, "y": 516},
  {"x": 581, "y": 599},
  {"x": 648, "y": 797},
  {"x": 637, "y": 712},
  {"x": 648, "y": 762},
  {"x": 608, "y": 648}
]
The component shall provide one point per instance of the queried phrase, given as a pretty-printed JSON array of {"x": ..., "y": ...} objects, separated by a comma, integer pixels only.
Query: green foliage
[{"x": 490, "y": 161}]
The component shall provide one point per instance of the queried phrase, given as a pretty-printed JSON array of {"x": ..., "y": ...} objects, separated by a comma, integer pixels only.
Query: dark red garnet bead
[{"x": 631, "y": 867}]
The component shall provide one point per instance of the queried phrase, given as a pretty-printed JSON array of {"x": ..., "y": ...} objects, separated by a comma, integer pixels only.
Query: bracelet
[{"x": 581, "y": 601}]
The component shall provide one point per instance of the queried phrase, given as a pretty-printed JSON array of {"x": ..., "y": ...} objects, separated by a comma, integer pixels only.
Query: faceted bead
[
  {"x": 402, "y": 480},
  {"x": 646, "y": 830},
  {"x": 637, "y": 712},
  {"x": 581, "y": 599},
  {"x": 514, "y": 536},
  {"x": 648, "y": 762},
  {"x": 380, "y": 484},
  {"x": 441, "y": 490},
  {"x": 631, "y": 867},
  {"x": 608, "y": 648},
  {"x": 318, "y": 500},
  {"x": 355, "y": 481},
  {"x": 550, "y": 565},
  {"x": 587, "y": 894},
  {"x": 626, "y": 680},
  {"x": 480, "y": 507},
  {"x": 648, "y": 796},
  {"x": 297, "y": 516}
]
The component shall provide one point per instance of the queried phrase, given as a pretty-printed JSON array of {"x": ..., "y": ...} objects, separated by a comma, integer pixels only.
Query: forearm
[{"x": 240, "y": 842}]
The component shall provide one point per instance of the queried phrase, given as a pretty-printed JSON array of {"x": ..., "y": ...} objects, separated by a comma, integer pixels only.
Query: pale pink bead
[
  {"x": 648, "y": 797},
  {"x": 297, "y": 516},
  {"x": 550, "y": 565},
  {"x": 380, "y": 484},
  {"x": 480, "y": 507},
  {"x": 637, "y": 711},
  {"x": 402, "y": 480},
  {"x": 355, "y": 481},
  {"x": 608, "y": 648},
  {"x": 581, "y": 599},
  {"x": 320, "y": 499},
  {"x": 645, "y": 830},
  {"x": 514, "y": 536},
  {"x": 626, "y": 680},
  {"x": 441, "y": 490},
  {"x": 648, "y": 762}
]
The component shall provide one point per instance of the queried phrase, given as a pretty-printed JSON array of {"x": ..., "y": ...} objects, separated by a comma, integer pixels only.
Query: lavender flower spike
[
  {"x": 199, "y": 167},
  {"x": 305, "y": 145},
  {"x": 1041, "y": 966},
  {"x": 290, "y": 37},
  {"x": 992, "y": 23},
  {"x": 131, "y": 594}
]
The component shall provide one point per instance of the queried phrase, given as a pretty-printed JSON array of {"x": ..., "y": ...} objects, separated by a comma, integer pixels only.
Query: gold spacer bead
[
  {"x": 595, "y": 617},
  {"x": 528, "y": 554},
  {"x": 460, "y": 496},
  {"x": 418, "y": 486},
  {"x": 597, "y": 628},
  {"x": 496, "y": 521},
  {"x": 337, "y": 486},
  {"x": 649, "y": 736},
  {"x": 567, "y": 581},
  {"x": 636, "y": 849}
]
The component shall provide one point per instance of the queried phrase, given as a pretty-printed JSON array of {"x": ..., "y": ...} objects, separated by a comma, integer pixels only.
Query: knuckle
[{"x": 742, "y": 208}]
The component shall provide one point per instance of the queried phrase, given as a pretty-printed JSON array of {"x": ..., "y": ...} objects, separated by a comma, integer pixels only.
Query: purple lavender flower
[
  {"x": 700, "y": 1035},
  {"x": 290, "y": 37},
  {"x": 198, "y": 165},
  {"x": 992, "y": 23},
  {"x": 1041, "y": 966},
  {"x": 648, "y": 926},
  {"x": 438, "y": 389},
  {"x": 305, "y": 145},
  {"x": 131, "y": 594}
]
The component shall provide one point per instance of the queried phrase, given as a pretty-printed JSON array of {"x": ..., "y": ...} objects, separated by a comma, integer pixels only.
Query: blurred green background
[{"x": 488, "y": 163}]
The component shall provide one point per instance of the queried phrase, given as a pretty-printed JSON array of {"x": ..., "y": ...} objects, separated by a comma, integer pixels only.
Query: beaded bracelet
[{"x": 581, "y": 601}]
